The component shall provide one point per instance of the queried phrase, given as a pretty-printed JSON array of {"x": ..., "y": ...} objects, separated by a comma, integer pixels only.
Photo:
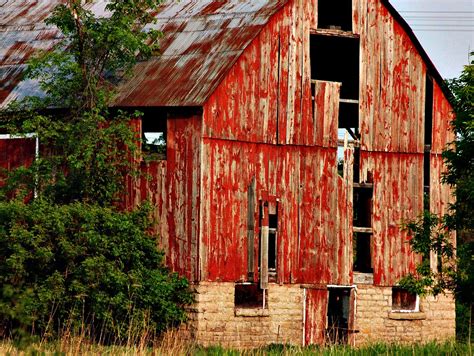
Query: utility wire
[
  {"x": 435, "y": 30},
  {"x": 441, "y": 25},
  {"x": 436, "y": 12},
  {"x": 439, "y": 19}
]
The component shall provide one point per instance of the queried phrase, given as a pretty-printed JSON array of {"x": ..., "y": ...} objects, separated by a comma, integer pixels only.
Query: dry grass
[{"x": 171, "y": 344}]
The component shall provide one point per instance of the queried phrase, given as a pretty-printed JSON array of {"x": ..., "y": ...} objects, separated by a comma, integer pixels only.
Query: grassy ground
[{"x": 174, "y": 347}]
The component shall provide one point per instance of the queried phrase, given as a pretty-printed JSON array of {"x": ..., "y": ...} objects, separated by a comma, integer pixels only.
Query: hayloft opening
[
  {"x": 154, "y": 139},
  {"x": 338, "y": 315},
  {"x": 335, "y": 15},
  {"x": 249, "y": 296},
  {"x": 336, "y": 59}
]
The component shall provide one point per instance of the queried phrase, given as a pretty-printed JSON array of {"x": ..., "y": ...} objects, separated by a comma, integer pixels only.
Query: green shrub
[{"x": 81, "y": 266}]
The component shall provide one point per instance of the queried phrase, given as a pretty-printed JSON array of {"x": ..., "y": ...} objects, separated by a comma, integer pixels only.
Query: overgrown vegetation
[
  {"x": 431, "y": 233},
  {"x": 173, "y": 346},
  {"x": 71, "y": 260},
  {"x": 73, "y": 266}
]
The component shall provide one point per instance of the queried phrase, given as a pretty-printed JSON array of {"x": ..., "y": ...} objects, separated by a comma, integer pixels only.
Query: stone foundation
[
  {"x": 376, "y": 322},
  {"x": 214, "y": 320}
]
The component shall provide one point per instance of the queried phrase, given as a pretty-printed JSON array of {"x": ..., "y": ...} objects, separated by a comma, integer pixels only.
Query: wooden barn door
[
  {"x": 315, "y": 316},
  {"x": 329, "y": 316}
]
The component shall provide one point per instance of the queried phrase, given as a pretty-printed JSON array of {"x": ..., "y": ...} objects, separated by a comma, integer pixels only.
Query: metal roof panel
[{"x": 202, "y": 40}]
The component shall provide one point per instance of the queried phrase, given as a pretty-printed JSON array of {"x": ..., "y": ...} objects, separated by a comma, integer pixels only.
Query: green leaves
[
  {"x": 459, "y": 156},
  {"x": 92, "y": 262},
  {"x": 69, "y": 257},
  {"x": 432, "y": 235},
  {"x": 429, "y": 236}
]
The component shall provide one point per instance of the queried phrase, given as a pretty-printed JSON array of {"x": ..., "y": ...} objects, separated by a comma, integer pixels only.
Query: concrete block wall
[
  {"x": 217, "y": 321},
  {"x": 376, "y": 322}
]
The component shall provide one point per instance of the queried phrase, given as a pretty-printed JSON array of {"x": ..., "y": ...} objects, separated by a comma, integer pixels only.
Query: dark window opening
[
  {"x": 338, "y": 315},
  {"x": 428, "y": 111},
  {"x": 268, "y": 246},
  {"x": 336, "y": 59},
  {"x": 363, "y": 206},
  {"x": 363, "y": 252},
  {"x": 154, "y": 139},
  {"x": 335, "y": 15},
  {"x": 272, "y": 241},
  {"x": 249, "y": 296},
  {"x": 403, "y": 300},
  {"x": 356, "y": 164},
  {"x": 426, "y": 180}
]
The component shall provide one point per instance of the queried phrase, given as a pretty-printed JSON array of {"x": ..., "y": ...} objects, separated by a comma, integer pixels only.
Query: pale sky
[{"x": 445, "y": 29}]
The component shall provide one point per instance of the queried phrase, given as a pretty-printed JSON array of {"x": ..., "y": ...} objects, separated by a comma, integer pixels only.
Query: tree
[
  {"x": 70, "y": 256},
  {"x": 459, "y": 158},
  {"x": 431, "y": 233}
]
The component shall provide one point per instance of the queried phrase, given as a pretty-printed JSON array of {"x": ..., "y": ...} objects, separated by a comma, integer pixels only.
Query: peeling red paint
[{"x": 247, "y": 64}]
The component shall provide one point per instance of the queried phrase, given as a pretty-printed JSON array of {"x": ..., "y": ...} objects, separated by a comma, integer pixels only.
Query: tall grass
[{"x": 170, "y": 344}]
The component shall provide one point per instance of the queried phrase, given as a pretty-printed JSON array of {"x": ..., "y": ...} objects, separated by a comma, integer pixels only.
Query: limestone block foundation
[
  {"x": 214, "y": 320},
  {"x": 375, "y": 321}
]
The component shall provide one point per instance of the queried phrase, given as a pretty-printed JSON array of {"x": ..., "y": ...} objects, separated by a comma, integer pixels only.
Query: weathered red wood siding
[
  {"x": 315, "y": 318},
  {"x": 392, "y": 81},
  {"x": 172, "y": 186},
  {"x": 440, "y": 194},
  {"x": 260, "y": 123},
  {"x": 15, "y": 153},
  {"x": 397, "y": 197},
  {"x": 265, "y": 100}
]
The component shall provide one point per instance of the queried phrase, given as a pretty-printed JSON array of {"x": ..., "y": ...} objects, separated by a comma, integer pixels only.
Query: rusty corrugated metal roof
[{"x": 202, "y": 40}]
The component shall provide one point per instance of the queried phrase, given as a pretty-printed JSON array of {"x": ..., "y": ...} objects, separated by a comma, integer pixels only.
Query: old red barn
[{"x": 300, "y": 134}]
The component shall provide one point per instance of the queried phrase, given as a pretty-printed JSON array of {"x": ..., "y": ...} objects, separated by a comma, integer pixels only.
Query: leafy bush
[{"x": 70, "y": 266}]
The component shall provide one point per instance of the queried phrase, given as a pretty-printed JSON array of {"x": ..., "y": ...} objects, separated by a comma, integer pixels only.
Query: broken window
[
  {"x": 336, "y": 59},
  {"x": 268, "y": 255},
  {"x": 404, "y": 301},
  {"x": 154, "y": 139},
  {"x": 335, "y": 15},
  {"x": 338, "y": 315},
  {"x": 249, "y": 295}
]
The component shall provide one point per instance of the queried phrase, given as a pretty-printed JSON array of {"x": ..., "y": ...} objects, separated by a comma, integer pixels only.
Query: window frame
[
  {"x": 268, "y": 206},
  {"x": 400, "y": 310}
]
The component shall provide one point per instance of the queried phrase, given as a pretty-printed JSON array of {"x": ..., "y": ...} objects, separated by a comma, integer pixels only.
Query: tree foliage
[
  {"x": 74, "y": 266},
  {"x": 431, "y": 233},
  {"x": 70, "y": 255}
]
